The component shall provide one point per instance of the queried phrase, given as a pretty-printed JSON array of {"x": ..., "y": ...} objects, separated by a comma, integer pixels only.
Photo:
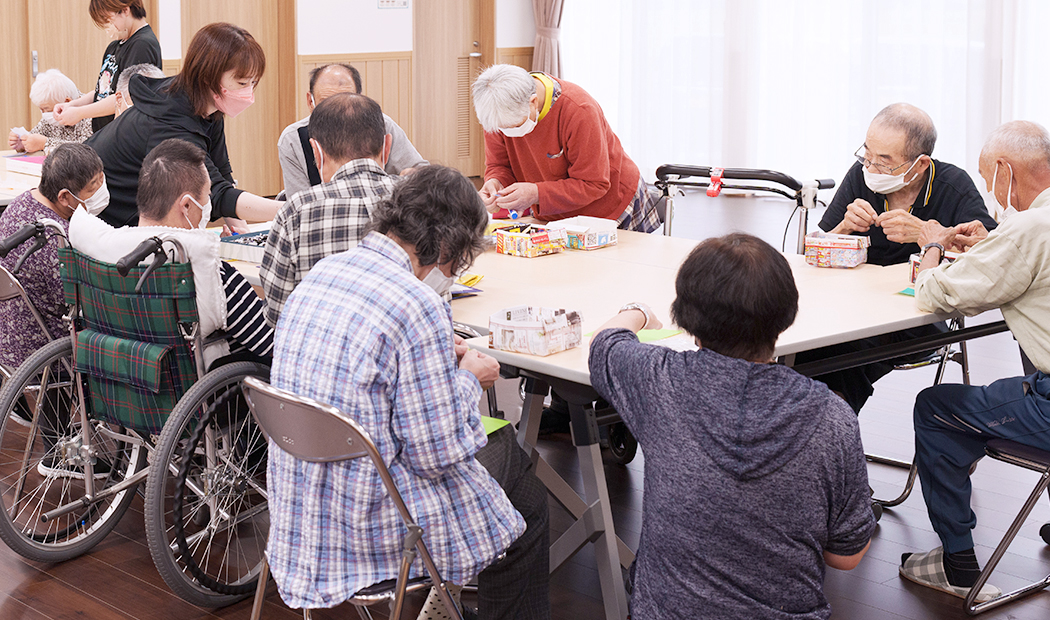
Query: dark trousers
[
  {"x": 952, "y": 425},
  {"x": 518, "y": 585}
]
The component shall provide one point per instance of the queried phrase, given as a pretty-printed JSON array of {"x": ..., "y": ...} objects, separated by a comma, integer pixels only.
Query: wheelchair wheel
[
  {"x": 206, "y": 515},
  {"x": 623, "y": 447},
  {"x": 42, "y": 461},
  {"x": 1044, "y": 533}
]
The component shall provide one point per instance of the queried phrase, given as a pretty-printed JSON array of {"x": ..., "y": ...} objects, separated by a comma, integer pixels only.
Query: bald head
[
  {"x": 333, "y": 79},
  {"x": 917, "y": 126}
]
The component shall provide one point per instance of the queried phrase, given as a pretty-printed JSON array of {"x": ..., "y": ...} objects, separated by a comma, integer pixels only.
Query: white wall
[
  {"x": 359, "y": 26},
  {"x": 170, "y": 23},
  {"x": 515, "y": 23}
]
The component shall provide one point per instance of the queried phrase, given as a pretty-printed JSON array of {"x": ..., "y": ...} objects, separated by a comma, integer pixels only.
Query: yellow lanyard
[
  {"x": 548, "y": 84},
  {"x": 929, "y": 191}
]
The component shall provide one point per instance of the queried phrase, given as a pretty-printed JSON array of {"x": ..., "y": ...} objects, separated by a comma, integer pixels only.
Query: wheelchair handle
[
  {"x": 24, "y": 234},
  {"x": 141, "y": 251},
  {"x": 668, "y": 170}
]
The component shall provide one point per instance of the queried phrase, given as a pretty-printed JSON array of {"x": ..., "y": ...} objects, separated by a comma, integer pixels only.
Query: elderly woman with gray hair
[
  {"x": 549, "y": 147},
  {"x": 51, "y": 88}
]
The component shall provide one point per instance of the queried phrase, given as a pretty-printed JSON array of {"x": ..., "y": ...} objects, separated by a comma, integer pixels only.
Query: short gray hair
[
  {"x": 52, "y": 86},
  {"x": 145, "y": 68},
  {"x": 919, "y": 132},
  {"x": 1024, "y": 140},
  {"x": 501, "y": 96}
]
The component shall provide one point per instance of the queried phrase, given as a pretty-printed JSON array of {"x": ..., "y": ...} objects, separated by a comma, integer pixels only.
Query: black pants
[{"x": 518, "y": 586}]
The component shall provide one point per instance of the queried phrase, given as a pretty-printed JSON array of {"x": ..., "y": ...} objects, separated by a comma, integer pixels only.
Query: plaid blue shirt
[{"x": 363, "y": 334}]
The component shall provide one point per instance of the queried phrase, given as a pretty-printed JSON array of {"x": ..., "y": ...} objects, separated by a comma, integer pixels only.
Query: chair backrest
[
  {"x": 315, "y": 432},
  {"x": 132, "y": 345}
]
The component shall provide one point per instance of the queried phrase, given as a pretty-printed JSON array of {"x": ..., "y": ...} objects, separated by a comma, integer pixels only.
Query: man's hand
[
  {"x": 968, "y": 235},
  {"x": 34, "y": 142},
  {"x": 67, "y": 114},
  {"x": 484, "y": 367},
  {"x": 859, "y": 218},
  {"x": 933, "y": 232},
  {"x": 488, "y": 193},
  {"x": 518, "y": 197},
  {"x": 899, "y": 225},
  {"x": 460, "y": 347}
]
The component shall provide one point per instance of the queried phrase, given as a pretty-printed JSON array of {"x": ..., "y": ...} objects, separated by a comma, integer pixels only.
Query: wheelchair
[{"x": 126, "y": 400}]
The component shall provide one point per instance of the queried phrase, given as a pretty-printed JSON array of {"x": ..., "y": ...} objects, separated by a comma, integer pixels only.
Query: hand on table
[
  {"x": 518, "y": 197},
  {"x": 488, "y": 193},
  {"x": 967, "y": 235},
  {"x": 484, "y": 367},
  {"x": 899, "y": 225},
  {"x": 933, "y": 232},
  {"x": 34, "y": 142},
  {"x": 860, "y": 216},
  {"x": 235, "y": 226},
  {"x": 67, "y": 114}
]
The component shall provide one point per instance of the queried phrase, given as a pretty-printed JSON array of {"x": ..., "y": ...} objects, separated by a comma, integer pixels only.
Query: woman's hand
[{"x": 67, "y": 114}]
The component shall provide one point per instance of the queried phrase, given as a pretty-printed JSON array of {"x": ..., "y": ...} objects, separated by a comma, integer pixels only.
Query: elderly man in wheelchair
[{"x": 128, "y": 397}]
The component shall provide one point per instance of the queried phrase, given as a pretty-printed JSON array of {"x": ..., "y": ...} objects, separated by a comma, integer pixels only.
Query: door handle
[
  {"x": 36, "y": 63},
  {"x": 472, "y": 55}
]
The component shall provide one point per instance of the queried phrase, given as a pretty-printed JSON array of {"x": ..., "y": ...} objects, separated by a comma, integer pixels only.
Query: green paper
[
  {"x": 492, "y": 424},
  {"x": 910, "y": 292}
]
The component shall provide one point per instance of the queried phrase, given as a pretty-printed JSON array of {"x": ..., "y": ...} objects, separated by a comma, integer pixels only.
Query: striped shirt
[
  {"x": 316, "y": 223},
  {"x": 245, "y": 324},
  {"x": 364, "y": 335}
]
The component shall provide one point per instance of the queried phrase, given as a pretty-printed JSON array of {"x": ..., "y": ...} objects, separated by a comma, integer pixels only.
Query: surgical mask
[
  {"x": 205, "y": 213},
  {"x": 233, "y": 102},
  {"x": 97, "y": 202},
  {"x": 521, "y": 130},
  {"x": 48, "y": 116},
  {"x": 887, "y": 183},
  {"x": 320, "y": 162},
  {"x": 439, "y": 281},
  {"x": 1002, "y": 214}
]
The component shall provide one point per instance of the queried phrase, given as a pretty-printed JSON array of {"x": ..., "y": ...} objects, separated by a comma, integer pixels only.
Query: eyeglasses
[{"x": 864, "y": 161}]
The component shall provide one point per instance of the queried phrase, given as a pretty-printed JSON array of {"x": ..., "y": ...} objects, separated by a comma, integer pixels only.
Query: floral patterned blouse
[{"x": 20, "y": 334}]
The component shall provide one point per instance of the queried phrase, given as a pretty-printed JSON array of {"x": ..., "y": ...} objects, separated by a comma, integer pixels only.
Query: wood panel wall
[
  {"x": 171, "y": 66},
  {"x": 14, "y": 68},
  {"x": 520, "y": 56},
  {"x": 385, "y": 77}
]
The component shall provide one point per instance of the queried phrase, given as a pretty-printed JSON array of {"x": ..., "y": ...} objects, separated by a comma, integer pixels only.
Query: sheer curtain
[{"x": 792, "y": 85}]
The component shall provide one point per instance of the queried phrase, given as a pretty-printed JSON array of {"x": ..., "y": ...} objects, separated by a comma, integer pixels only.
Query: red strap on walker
[{"x": 715, "y": 188}]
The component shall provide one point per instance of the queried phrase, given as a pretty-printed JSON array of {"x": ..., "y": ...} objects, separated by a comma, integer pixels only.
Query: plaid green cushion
[{"x": 110, "y": 307}]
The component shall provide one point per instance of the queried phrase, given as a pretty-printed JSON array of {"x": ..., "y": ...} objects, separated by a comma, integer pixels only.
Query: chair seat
[
  {"x": 1018, "y": 454},
  {"x": 385, "y": 588}
]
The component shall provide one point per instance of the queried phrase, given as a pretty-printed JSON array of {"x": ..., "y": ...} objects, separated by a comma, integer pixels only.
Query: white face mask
[
  {"x": 439, "y": 281},
  {"x": 320, "y": 161},
  {"x": 98, "y": 201},
  {"x": 521, "y": 130},
  {"x": 1002, "y": 214},
  {"x": 887, "y": 183},
  {"x": 48, "y": 116},
  {"x": 205, "y": 213}
]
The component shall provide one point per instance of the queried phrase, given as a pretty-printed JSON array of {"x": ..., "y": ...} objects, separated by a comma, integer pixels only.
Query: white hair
[
  {"x": 52, "y": 86},
  {"x": 1024, "y": 140},
  {"x": 501, "y": 96},
  {"x": 145, "y": 68}
]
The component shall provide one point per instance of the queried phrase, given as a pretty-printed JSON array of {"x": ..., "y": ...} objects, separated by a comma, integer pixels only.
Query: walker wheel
[{"x": 1044, "y": 533}]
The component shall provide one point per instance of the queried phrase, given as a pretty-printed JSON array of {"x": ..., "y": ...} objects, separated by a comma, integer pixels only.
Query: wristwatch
[
  {"x": 637, "y": 306},
  {"x": 926, "y": 247}
]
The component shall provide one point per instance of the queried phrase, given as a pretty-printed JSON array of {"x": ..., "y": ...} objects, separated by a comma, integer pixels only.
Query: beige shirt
[{"x": 1009, "y": 270}]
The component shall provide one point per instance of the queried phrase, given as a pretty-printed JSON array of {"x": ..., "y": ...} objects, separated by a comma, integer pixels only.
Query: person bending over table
[
  {"x": 348, "y": 138},
  {"x": 50, "y": 89},
  {"x": 173, "y": 201},
  {"x": 754, "y": 474},
  {"x": 134, "y": 43},
  {"x": 298, "y": 164},
  {"x": 70, "y": 176},
  {"x": 364, "y": 332},
  {"x": 1009, "y": 269},
  {"x": 892, "y": 190},
  {"x": 549, "y": 147},
  {"x": 219, "y": 72}
]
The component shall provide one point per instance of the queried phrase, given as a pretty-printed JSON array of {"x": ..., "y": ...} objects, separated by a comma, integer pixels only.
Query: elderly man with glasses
[{"x": 888, "y": 195}]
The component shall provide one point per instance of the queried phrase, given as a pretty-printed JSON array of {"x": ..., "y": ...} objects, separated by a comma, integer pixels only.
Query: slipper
[{"x": 927, "y": 569}]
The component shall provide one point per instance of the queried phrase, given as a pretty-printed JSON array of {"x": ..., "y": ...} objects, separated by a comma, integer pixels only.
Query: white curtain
[{"x": 792, "y": 85}]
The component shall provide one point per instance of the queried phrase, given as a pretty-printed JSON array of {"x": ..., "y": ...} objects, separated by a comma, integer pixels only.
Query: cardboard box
[
  {"x": 839, "y": 251},
  {"x": 530, "y": 240},
  {"x": 534, "y": 330},
  {"x": 588, "y": 233},
  {"x": 247, "y": 247}
]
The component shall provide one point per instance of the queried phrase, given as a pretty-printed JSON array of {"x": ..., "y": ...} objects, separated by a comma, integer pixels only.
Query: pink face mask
[{"x": 233, "y": 102}]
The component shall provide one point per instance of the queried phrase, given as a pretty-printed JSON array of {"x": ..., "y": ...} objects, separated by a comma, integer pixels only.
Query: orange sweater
[{"x": 572, "y": 156}]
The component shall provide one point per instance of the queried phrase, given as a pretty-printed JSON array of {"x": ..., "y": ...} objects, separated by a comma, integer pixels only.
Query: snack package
[
  {"x": 914, "y": 260},
  {"x": 840, "y": 251},
  {"x": 535, "y": 330},
  {"x": 530, "y": 240},
  {"x": 588, "y": 233}
]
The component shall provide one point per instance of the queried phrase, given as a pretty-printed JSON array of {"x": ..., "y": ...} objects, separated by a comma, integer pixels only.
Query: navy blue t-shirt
[
  {"x": 141, "y": 47},
  {"x": 953, "y": 199}
]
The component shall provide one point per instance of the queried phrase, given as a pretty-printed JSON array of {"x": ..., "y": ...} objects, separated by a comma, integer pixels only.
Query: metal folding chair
[
  {"x": 319, "y": 433},
  {"x": 1037, "y": 461}
]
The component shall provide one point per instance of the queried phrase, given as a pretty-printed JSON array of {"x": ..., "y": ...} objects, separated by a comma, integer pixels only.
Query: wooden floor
[{"x": 118, "y": 580}]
